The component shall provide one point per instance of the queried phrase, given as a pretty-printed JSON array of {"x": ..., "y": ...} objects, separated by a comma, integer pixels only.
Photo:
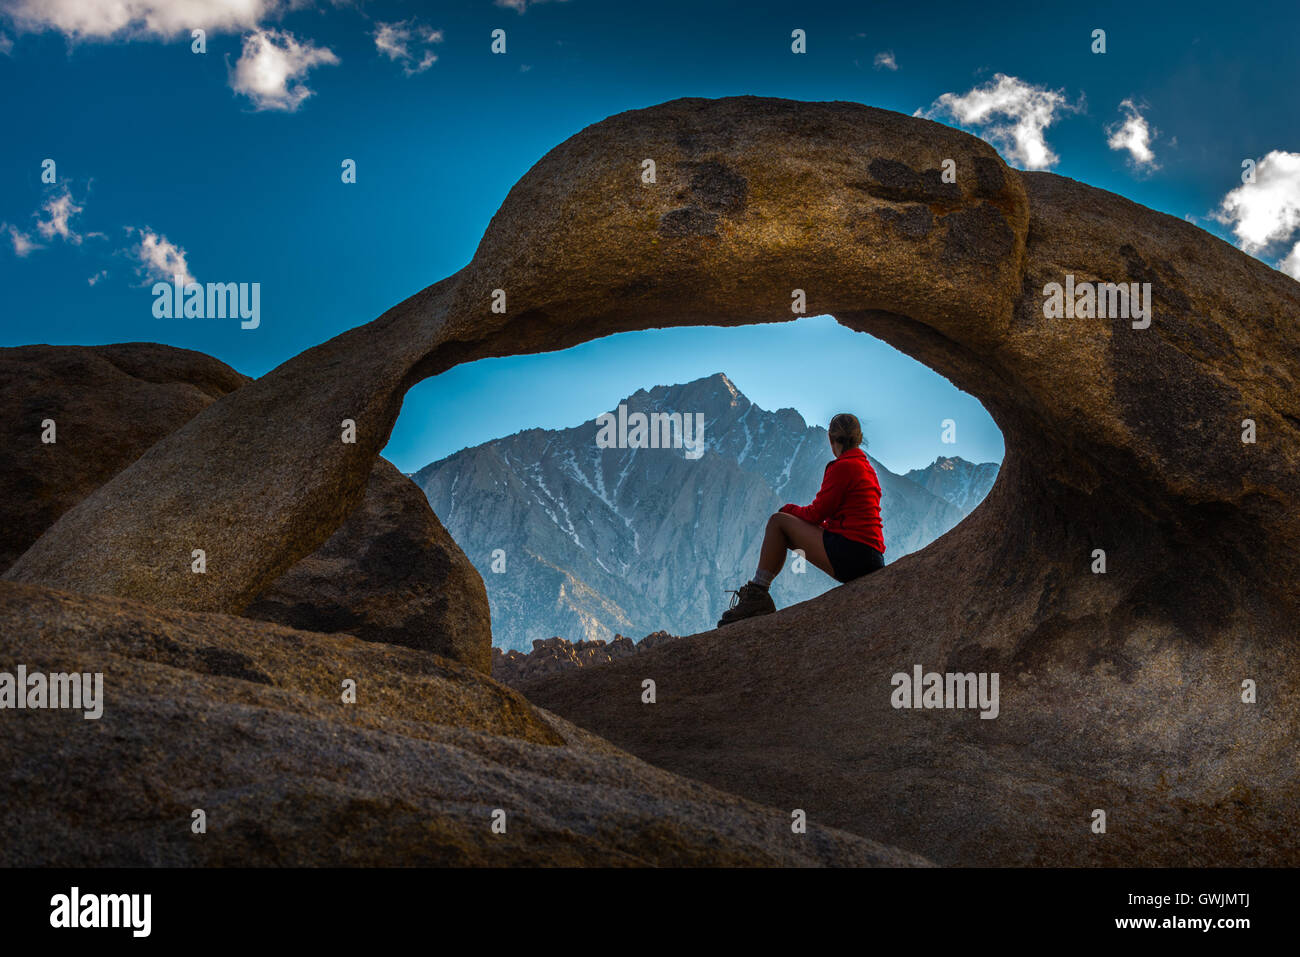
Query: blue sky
[{"x": 232, "y": 157}]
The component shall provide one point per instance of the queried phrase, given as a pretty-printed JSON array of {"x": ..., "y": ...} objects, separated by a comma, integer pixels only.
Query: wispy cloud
[
  {"x": 408, "y": 43},
  {"x": 885, "y": 60},
  {"x": 53, "y": 220},
  {"x": 1265, "y": 214},
  {"x": 159, "y": 259},
  {"x": 1012, "y": 115},
  {"x": 1132, "y": 132},
  {"x": 271, "y": 68},
  {"x": 58, "y": 212},
  {"x": 22, "y": 242}
]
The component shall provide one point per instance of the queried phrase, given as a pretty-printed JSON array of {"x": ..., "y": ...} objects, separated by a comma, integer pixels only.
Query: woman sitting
[{"x": 840, "y": 532}]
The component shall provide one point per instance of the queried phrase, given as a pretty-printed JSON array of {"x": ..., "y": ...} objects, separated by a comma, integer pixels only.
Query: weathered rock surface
[
  {"x": 245, "y": 720},
  {"x": 108, "y": 403},
  {"x": 550, "y": 655},
  {"x": 390, "y": 573},
  {"x": 1120, "y": 690},
  {"x": 583, "y": 249}
]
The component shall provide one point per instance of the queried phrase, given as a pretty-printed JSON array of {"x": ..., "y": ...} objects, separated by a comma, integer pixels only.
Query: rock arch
[
  {"x": 1127, "y": 440},
  {"x": 757, "y": 197}
]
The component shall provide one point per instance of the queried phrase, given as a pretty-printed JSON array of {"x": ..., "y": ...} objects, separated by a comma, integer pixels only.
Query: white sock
[{"x": 761, "y": 578}]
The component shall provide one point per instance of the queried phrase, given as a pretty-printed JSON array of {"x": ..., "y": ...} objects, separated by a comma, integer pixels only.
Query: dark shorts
[{"x": 850, "y": 559}]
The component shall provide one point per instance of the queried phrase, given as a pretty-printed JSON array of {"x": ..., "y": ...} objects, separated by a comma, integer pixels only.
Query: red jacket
[{"x": 849, "y": 501}]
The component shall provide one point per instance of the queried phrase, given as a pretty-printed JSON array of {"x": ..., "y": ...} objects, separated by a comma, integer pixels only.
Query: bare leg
[{"x": 788, "y": 532}]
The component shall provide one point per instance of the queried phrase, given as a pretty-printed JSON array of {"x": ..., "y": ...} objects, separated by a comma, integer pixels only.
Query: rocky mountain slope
[
  {"x": 598, "y": 541},
  {"x": 957, "y": 481}
]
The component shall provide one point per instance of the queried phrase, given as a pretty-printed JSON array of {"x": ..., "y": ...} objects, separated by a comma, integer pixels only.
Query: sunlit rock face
[{"x": 1120, "y": 689}]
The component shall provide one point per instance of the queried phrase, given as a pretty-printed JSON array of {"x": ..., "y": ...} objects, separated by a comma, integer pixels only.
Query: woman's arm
[{"x": 828, "y": 500}]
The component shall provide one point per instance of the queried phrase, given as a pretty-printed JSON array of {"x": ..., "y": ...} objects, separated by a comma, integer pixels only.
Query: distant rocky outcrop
[
  {"x": 246, "y": 721},
  {"x": 550, "y": 655},
  {"x": 390, "y": 573},
  {"x": 579, "y": 540},
  {"x": 956, "y": 481},
  {"x": 1123, "y": 689}
]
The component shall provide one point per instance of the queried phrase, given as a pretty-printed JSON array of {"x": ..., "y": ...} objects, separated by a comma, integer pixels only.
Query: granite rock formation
[
  {"x": 245, "y": 721},
  {"x": 754, "y": 198},
  {"x": 1120, "y": 690},
  {"x": 390, "y": 573},
  {"x": 108, "y": 404}
]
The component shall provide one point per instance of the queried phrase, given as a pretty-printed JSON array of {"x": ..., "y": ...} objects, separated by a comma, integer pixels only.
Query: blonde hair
[{"x": 846, "y": 430}]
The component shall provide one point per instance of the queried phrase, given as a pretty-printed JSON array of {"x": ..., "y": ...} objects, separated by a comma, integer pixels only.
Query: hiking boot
[{"x": 750, "y": 601}]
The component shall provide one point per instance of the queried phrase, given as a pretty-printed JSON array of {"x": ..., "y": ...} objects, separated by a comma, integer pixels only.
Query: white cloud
[
  {"x": 22, "y": 242},
  {"x": 1291, "y": 264},
  {"x": 6, "y": 44},
  {"x": 271, "y": 68},
  {"x": 99, "y": 276},
  {"x": 1266, "y": 213},
  {"x": 885, "y": 60},
  {"x": 160, "y": 260},
  {"x": 59, "y": 211},
  {"x": 53, "y": 219},
  {"x": 1013, "y": 114},
  {"x": 393, "y": 39},
  {"x": 1133, "y": 133},
  {"x": 101, "y": 19},
  {"x": 400, "y": 42}
]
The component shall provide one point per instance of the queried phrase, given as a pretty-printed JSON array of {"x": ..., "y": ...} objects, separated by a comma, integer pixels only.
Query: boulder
[
  {"x": 246, "y": 721},
  {"x": 390, "y": 573},
  {"x": 108, "y": 405}
]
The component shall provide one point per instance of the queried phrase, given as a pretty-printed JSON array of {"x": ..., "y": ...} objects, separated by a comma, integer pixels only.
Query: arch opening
[{"x": 586, "y": 543}]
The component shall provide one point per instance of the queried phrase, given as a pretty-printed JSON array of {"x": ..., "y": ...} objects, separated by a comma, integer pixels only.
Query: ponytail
[{"x": 846, "y": 430}]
